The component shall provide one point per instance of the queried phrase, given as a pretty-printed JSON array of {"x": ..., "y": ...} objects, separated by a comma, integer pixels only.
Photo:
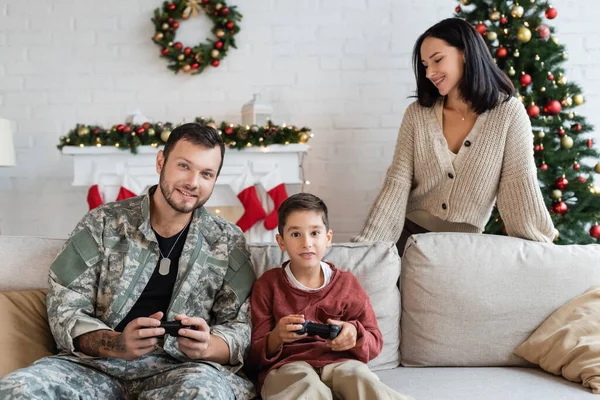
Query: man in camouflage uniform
[{"x": 102, "y": 276}]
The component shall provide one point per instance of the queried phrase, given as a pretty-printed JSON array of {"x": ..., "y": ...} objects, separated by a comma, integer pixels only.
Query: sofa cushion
[
  {"x": 496, "y": 383},
  {"x": 25, "y": 336},
  {"x": 568, "y": 342},
  {"x": 30, "y": 257},
  {"x": 377, "y": 267},
  {"x": 471, "y": 299}
]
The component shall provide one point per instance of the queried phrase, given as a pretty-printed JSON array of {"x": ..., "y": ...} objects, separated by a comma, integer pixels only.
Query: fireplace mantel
[{"x": 107, "y": 167}]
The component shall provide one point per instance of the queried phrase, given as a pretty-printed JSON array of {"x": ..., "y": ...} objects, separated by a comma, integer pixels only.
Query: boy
[{"x": 299, "y": 366}]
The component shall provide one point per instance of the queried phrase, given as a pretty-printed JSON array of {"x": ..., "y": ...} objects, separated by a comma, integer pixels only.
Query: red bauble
[
  {"x": 96, "y": 131},
  {"x": 543, "y": 31},
  {"x": 170, "y": 20},
  {"x": 172, "y": 7},
  {"x": 120, "y": 127},
  {"x": 481, "y": 28},
  {"x": 552, "y": 107},
  {"x": 195, "y": 66},
  {"x": 544, "y": 167},
  {"x": 228, "y": 130},
  {"x": 140, "y": 131},
  {"x": 576, "y": 128},
  {"x": 551, "y": 13},
  {"x": 146, "y": 125},
  {"x": 561, "y": 183},
  {"x": 175, "y": 25},
  {"x": 187, "y": 51},
  {"x": 581, "y": 179},
  {"x": 224, "y": 11},
  {"x": 219, "y": 45},
  {"x": 538, "y": 147},
  {"x": 503, "y": 20},
  {"x": 230, "y": 25},
  {"x": 590, "y": 142},
  {"x": 561, "y": 208},
  {"x": 215, "y": 63},
  {"x": 576, "y": 166},
  {"x": 550, "y": 77},
  {"x": 525, "y": 79},
  {"x": 501, "y": 52},
  {"x": 127, "y": 129},
  {"x": 561, "y": 131},
  {"x": 205, "y": 1},
  {"x": 533, "y": 111},
  {"x": 178, "y": 46},
  {"x": 595, "y": 231},
  {"x": 164, "y": 52},
  {"x": 458, "y": 9}
]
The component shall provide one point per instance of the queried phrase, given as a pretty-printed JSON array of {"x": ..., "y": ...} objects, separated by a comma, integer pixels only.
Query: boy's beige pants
[{"x": 347, "y": 380}]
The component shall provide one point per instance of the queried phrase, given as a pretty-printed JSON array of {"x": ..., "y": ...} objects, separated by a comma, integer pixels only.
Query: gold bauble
[
  {"x": 303, "y": 138},
  {"x": 564, "y": 56},
  {"x": 164, "y": 136},
  {"x": 541, "y": 134},
  {"x": 568, "y": 102},
  {"x": 571, "y": 115},
  {"x": 561, "y": 80},
  {"x": 214, "y": 53},
  {"x": 158, "y": 36},
  {"x": 516, "y": 53},
  {"x": 556, "y": 194},
  {"x": 578, "y": 99},
  {"x": 465, "y": 2},
  {"x": 151, "y": 132},
  {"x": 597, "y": 168},
  {"x": 542, "y": 89},
  {"x": 556, "y": 234},
  {"x": 186, "y": 68},
  {"x": 181, "y": 57},
  {"x": 494, "y": 15},
  {"x": 566, "y": 142},
  {"x": 524, "y": 35},
  {"x": 491, "y": 36},
  {"x": 511, "y": 71},
  {"x": 165, "y": 27},
  {"x": 218, "y": 6},
  {"x": 220, "y": 33},
  {"x": 83, "y": 131},
  {"x": 517, "y": 11}
]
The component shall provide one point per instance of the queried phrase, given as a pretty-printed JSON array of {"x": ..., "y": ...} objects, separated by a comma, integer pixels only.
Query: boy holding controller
[{"x": 314, "y": 328}]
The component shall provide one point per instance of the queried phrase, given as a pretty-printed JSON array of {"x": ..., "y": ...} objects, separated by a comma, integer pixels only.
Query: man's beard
[{"x": 164, "y": 188}]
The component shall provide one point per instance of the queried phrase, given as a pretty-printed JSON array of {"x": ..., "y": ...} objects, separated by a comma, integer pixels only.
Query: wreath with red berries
[{"x": 195, "y": 59}]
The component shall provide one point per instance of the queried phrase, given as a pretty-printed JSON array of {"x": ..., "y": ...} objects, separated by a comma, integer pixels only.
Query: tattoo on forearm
[{"x": 98, "y": 343}]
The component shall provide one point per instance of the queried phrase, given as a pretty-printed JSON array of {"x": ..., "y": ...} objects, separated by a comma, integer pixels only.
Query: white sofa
[{"x": 467, "y": 301}]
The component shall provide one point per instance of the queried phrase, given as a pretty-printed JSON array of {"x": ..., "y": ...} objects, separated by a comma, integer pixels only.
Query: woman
[{"x": 464, "y": 143}]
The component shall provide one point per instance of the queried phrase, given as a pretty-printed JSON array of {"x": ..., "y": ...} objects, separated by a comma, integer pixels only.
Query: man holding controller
[{"x": 149, "y": 296}]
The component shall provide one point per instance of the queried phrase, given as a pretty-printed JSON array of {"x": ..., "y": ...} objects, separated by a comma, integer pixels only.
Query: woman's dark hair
[
  {"x": 482, "y": 82},
  {"x": 196, "y": 133}
]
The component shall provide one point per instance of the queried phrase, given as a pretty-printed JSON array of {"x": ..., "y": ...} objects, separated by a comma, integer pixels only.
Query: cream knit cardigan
[{"x": 495, "y": 162}]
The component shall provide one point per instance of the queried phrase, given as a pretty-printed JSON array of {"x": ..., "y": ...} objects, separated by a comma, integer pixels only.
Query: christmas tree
[{"x": 524, "y": 46}]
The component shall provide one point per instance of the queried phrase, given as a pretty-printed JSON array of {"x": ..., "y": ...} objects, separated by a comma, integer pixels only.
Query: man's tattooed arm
[{"x": 101, "y": 343}]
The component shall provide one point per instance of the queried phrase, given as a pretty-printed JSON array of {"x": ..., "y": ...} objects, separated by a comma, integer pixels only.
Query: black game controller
[
  {"x": 322, "y": 330},
  {"x": 172, "y": 327}
]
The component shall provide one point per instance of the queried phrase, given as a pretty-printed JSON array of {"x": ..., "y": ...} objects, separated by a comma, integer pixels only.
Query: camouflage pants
[{"x": 54, "y": 378}]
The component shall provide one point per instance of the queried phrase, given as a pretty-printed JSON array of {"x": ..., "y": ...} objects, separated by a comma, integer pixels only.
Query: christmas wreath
[
  {"x": 131, "y": 136},
  {"x": 194, "y": 59}
]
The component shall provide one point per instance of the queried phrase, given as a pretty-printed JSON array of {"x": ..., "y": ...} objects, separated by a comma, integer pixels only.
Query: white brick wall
[{"x": 341, "y": 67}]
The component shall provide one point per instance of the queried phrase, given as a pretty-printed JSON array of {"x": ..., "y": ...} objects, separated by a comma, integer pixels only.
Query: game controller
[
  {"x": 172, "y": 327},
  {"x": 326, "y": 331}
]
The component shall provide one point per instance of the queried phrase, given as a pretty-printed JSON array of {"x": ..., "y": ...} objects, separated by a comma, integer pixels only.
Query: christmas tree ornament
[
  {"x": 511, "y": 71},
  {"x": 494, "y": 16},
  {"x": 503, "y": 20},
  {"x": 457, "y": 9},
  {"x": 465, "y": 2},
  {"x": 581, "y": 179},
  {"x": 491, "y": 36},
  {"x": 561, "y": 183},
  {"x": 523, "y": 35},
  {"x": 556, "y": 194},
  {"x": 576, "y": 128},
  {"x": 578, "y": 99},
  {"x": 151, "y": 132},
  {"x": 541, "y": 134},
  {"x": 551, "y": 13},
  {"x": 83, "y": 131},
  {"x": 164, "y": 135},
  {"x": 186, "y": 68},
  {"x": 543, "y": 32},
  {"x": 566, "y": 142},
  {"x": 597, "y": 168},
  {"x": 525, "y": 79},
  {"x": 590, "y": 142},
  {"x": 481, "y": 28},
  {"x": 561, "y": 208},
  {"x": 219, "y": 33},
  {"x": 561, "y": 80},
  {"x": 595, "y": 231},
  {"x": 181, "y": 57},
  {"x": 567, "y": 102},
  {"x": 501, "y": 52},
  {"x": 550, "y": 76},
  {"x": 565, "y": 56},
  {"x": 552, "y": 107},
  {"x": 158, "y": 36},
  {"x": 214, "y": 53},
  {"x": 533, "y": 111},
  {"x": 544, "y": 167},
  {"x": 576, "y": 166},
  {"x": 556, "y": 234},
  {"x": 516, "y": 53},
  {"x": 517, "y": 11}
]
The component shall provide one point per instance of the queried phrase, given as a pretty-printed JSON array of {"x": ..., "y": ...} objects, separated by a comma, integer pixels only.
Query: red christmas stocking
[
  {"x": 130, "y": 188},
  {"x": 243, "y": 186},
  {"x": 93, "y": 198},
  {"x": 275, "y": 187}
]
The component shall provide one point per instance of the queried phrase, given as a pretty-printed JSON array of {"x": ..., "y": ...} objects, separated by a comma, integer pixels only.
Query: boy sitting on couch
[{"x": 296, "y": 365}]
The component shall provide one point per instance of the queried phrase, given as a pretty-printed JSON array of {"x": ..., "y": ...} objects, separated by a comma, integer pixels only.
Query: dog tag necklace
[{"x": 165, "y": 262}]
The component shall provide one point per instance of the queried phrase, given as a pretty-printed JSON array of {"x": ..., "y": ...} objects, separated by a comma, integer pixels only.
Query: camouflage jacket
[{"x": 110, "y": 256}]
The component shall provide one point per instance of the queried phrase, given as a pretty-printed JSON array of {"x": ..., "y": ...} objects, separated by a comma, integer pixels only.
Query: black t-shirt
[{"x": 157, "y": 293}]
